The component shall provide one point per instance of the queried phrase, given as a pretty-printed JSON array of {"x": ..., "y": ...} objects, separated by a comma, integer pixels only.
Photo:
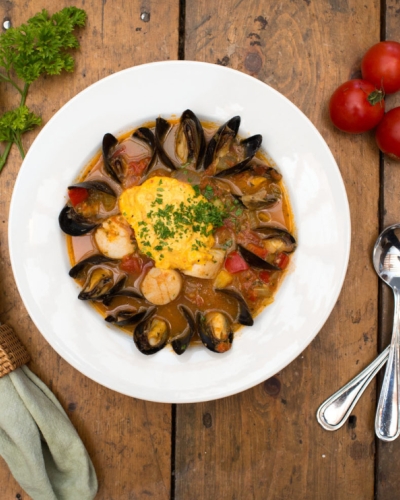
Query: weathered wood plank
[
  {"x": 128, "y": 440},
  {"x": 388, "y": 454},
  {"x": 265, "y": 443}
]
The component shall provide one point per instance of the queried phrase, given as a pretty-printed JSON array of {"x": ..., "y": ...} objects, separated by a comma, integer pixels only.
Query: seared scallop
[
  {"x": 161, "y": 286},
  {"x": 115, "y": 237}
]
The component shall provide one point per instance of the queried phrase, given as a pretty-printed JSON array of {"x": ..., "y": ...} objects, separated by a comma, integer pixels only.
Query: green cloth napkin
[{"x": 39, "y": 443}]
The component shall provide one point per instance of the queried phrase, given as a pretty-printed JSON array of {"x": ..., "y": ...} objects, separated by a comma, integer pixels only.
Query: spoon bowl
[{"x": 386, "y": 259}]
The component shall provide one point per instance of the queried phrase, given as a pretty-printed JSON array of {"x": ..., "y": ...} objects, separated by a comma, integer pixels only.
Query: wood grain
[
  {"x": 265, "y": 443},
  {"x": 388, "y": 454},
  {"x": 128, "y": 440}
]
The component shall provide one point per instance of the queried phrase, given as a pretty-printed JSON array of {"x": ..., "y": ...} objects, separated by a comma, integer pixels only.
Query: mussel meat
[
  {"x": 221, "y": 142},
  {"x": 264, "y": 198},
  {"x": 215, "y": 330},
  {"x": 151, "y": 333},
  {"x": 99, "y": 282},
  {"x": 276, "y": 239},
  {"x": 190, "y": 143}
]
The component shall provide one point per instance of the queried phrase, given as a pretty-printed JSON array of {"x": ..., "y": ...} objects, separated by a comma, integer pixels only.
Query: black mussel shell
[
  {"x": 92, "y": 260},
  {"x": 74, "y": 224},
  {"x": 162, "y": 128},
  {"x": 227, "y": 132},
  {"x": 147, "y": 136},
  {"x": 244, "y": 316},
  {"x": 266, "y": 171},
  {"x": 204, "y": 324},
  {"x": 256, "y": 261},
  {"x": 140, "y": 334},
  {"x": 252, "y": 144},
  {"x": 236, "y": 169},
  {"x": 193, "y": 132},
  {"x": 113, "y": 169},
  {"x": 96, "y": 186},
  {"x": 272, "y": 232},
  {"x": 123, "y": 292},
  {"x": 126, "y": 317},
  {"x": 180, "y": 344},
  {"x": 99, "y": 283}
]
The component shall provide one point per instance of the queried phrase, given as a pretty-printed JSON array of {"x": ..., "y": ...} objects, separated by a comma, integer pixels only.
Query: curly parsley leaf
[{"x": 39, "y": 47}]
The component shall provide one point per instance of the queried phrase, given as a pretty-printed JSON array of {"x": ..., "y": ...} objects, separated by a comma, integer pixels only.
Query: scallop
[
  {"x": 114, "y": 238},
  {"x": 161, "y": 286}
]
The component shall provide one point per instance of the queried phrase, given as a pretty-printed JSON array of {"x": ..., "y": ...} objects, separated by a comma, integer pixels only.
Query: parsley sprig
[{"x": 39, "y": 47}]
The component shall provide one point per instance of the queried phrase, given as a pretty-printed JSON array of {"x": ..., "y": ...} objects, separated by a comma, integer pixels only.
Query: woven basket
[{"x": 12, "y": 353}]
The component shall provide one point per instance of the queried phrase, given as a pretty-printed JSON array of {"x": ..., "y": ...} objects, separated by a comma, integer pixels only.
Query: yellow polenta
[{"x": 166, "y": 216}]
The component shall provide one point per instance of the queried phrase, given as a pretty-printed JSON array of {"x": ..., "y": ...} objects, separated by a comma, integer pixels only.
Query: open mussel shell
[
  {"x": 93, "y": 260},
  {"x": 126, "y": 316},
  {"x": 151, "y": 333},
  {"x": 113, "y": 168},
  {"x": 256, "y": 261},
  {"x": 146, "y": 135},
  {"x": 222, "y": 138},
  {"x": 287, "y": 242},
  {"x": 123, "y": 292},
  {"x": 73, "y": 224},
  {"x": 263, "y": 198},
  {"x": 162, "y": 128},
  {"x": 181, "y": 343},
  {"x": 99, "y": 282},
  {"x": 215, "y": 330},
  {"x": 244, "y": 315},
  {"x": 190, "y": 143},
  {"x": 249, "y": 147}
]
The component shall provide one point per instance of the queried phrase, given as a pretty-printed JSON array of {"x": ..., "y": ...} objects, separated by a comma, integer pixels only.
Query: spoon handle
[
  {"x": 334, "y": 412},
  {"x": 387, "y": 415}
]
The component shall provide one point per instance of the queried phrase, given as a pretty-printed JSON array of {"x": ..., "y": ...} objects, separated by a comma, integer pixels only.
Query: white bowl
[{"x": 123, "y": 101}]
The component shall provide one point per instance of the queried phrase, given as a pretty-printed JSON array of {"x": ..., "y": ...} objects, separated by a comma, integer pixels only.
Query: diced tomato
[
  {"x": 248, "y": 279},
  {"x": 131, "y": 264},
  {"x": 282, "y": 260},
  {"x": 77, "y": 195},
  {"x": 260, "y": 251},
  {"x": 235, "y": 263},
  {"x": 265, "y": 276},
  {"x": 137, "y": 167}
]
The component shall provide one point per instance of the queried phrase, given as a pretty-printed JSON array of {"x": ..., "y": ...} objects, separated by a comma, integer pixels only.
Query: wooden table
[{"x": 264, "y": 443}]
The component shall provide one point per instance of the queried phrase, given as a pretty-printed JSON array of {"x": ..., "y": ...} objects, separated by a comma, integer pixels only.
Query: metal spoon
[
  {"x": 334, "y": 412},
  {"x": 386, "y": 259}
]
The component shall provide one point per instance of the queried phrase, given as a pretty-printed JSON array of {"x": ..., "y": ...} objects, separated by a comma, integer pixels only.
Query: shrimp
[
  {"x": 115, "y": 238},
  {"x": 161, "y": 286},
  {"x": 210, "y": 268}
]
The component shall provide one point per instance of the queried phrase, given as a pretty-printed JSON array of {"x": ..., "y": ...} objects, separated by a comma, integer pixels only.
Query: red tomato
[
  {"x": 265, "y": 276},
  {"x": 258, "y": 250},
  {"x": 77, "y": 195},
  {"x": 282, "y": 260},
  {"x": 356, "y": 106},
  {"x": 381, "y": 66},
  {"x": 131, "y": 264},
  {"x": 235, "y": 263},
  {"x": 388, "y": 134}
]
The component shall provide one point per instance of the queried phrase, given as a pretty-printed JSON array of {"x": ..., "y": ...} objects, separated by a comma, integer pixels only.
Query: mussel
[
  {"x": 190, "y": 143},
  {"x": 256, "y": 261},
  {"x": 82, "y": 220},
  {"x": 278, "y": 239},
  {"x": 115, "y": 161},
  {"x": 123, "y": 292},
  {"x": 181, "y": 342},
  {"x": 151, "y": 333},
  {"x": 125, "y": 316},
  {"x": 244, "y": 316},
  {"x": 93, "y": 260},
  {"x": 264, "y": 198},
  {"x": 226, "y": 156},
  {"x": 215, "y": 330}
]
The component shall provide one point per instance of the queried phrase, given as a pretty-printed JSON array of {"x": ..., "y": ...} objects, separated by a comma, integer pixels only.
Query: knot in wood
[{"x": 272, "y": 386}]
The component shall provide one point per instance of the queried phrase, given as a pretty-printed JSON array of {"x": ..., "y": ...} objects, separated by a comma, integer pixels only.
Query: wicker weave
[{"x": 12, "y": 353}]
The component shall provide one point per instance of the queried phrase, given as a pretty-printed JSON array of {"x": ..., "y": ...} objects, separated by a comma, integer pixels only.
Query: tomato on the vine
[
  {"x": 356, "y": 106},
  {"x": 381, "y": 66},
  {"x": 388, "y": 134}
]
